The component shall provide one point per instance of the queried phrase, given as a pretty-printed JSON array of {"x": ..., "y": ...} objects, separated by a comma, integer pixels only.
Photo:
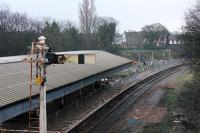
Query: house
[
  {"x": 173, "y": 40},
  {"x": 120, "y": 40},
  {"x": 162, "y": 41},
  {"x": 134, "y": 39}
]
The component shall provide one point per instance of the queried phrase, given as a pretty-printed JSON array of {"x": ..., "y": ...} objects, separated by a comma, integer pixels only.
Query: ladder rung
[
  {"x": 34, "y": 118},
  {"x": 35, "y": 101},
  {"x": 35, "y": 127},
  {"x": 34, "y": 110},
  {"x": 35, "y": 123}
]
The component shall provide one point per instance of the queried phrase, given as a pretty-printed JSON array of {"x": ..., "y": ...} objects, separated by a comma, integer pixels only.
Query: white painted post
[
  {"x": 152, "y": 58},
  {"x": 163, "y": 54},
  {"x": 139, "y": 61},
  {"x": 139, "y": 58},
  {"x": 43, "y": 114}
]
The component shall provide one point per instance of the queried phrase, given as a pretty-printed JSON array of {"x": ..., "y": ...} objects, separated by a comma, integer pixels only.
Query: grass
[
  {"x": 133, "y": 54},
  {"x": 157, "y": 128},
  {"x": 184, "y": 100},
  {"x": 165, "y": 126},
  {"x": 158, "y": 53}
]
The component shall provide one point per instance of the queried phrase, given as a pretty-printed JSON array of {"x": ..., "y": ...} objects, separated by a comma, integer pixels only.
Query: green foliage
[
  {"x": 184, "y": 101},
  {"x": 70, "y": 39},
  {"x": 152, "y": 33},
  {"x": 158, "y": 128},
  {"x": 17, "y": 31},
  {"x": 170, "y": 99},
  {"x": 13, "y": 43},
  {"x": 191, "y": 31},
  {"x": 105, "y": 36},
  {"x": 52, "y": 32}
]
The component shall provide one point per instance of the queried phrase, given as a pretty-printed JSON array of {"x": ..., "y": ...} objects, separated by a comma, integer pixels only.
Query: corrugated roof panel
[{"x": 14, "y": 78}]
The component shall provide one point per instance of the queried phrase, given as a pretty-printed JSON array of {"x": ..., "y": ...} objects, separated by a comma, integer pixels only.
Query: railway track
[{"x": 103, "y": 118}]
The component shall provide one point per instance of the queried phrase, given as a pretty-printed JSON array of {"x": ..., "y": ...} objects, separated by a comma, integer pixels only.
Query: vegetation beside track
[
  {"x": 146, "y": 54},
  {"x": 182, "y": 103}
]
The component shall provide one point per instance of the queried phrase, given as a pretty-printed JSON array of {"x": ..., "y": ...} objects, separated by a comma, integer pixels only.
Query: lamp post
[
  {"x": 163, "y": 54},
  {"x": 139, "y": 57},
  {"x": 152, "y": 57}
]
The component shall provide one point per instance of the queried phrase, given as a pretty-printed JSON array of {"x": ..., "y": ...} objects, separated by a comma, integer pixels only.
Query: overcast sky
[{"x": 131, "y": 14}]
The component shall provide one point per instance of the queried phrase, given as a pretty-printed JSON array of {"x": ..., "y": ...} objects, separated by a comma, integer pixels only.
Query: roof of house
[{"x": 172, "y": 37}]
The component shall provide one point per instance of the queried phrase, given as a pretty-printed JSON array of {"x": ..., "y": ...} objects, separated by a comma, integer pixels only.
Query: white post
[
  {"x": 43, "y": 114},
  {"x": 139, "y": 58},
  {"x": 163, "y": 54},
  {"x": 152, "y": 58}
]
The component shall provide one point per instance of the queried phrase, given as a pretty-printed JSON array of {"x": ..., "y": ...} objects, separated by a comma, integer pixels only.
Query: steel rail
[
  {"x": 131, "y": 99},
  {"x": 126, "y": 98}
]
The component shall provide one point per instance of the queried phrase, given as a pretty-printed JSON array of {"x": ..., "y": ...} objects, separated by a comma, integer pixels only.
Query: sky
[{"x": 132, "y": 15}]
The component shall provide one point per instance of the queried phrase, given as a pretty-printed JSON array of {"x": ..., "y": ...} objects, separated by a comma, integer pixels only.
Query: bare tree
[
  {"x": 87, "y": 16},
  {"x": 4, "y": 17},
  {"x": 99, "y": 21}
]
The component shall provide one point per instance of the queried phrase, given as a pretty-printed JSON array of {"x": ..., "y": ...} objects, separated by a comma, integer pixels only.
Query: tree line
[
  {"x": 191, "y": 31},
  {"x": 18, "y": 30},
  {"x": 154, "y": 33}
]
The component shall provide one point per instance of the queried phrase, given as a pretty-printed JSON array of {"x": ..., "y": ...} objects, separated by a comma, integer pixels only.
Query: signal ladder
[{"x": 34, "y": 104}]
